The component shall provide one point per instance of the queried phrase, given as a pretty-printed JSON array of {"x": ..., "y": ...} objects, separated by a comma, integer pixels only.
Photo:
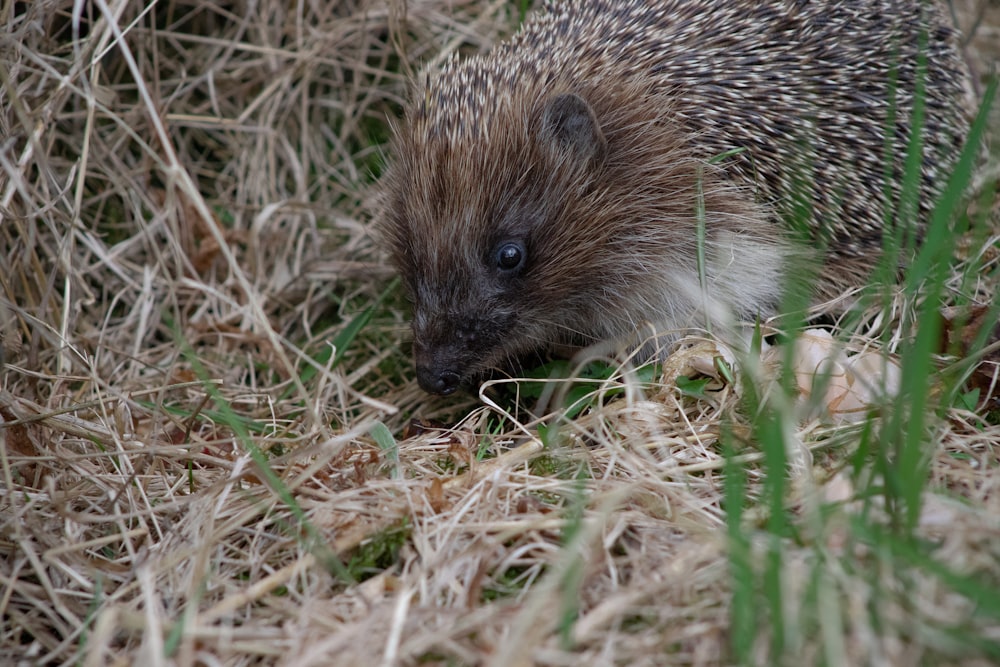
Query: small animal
[{"x": 621, "y": 166}]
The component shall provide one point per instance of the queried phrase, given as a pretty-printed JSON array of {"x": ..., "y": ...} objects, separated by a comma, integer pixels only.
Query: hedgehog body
[{"x": 623, "y": 167}]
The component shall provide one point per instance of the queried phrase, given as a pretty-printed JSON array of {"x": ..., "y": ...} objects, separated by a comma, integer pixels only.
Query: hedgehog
[{"x": 621, "y": 167}]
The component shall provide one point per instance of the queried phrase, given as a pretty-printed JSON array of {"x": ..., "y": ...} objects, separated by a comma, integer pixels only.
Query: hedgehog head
[{"x": 473, "y": 224}]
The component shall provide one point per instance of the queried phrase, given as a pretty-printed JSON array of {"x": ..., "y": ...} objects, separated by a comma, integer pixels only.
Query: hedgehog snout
[
  {"x": 440, "y": 368},
  {"x": 440, "y": 350},
  {"x": 453, "y": 346},
  {"x": 437, "y": 381}
]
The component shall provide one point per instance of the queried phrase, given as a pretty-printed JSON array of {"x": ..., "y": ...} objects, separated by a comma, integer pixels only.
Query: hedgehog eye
[{"x": 510, "y": 256}]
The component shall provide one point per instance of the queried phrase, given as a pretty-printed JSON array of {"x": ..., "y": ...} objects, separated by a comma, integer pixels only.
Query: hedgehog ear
[{"x": 569, "y": 123}]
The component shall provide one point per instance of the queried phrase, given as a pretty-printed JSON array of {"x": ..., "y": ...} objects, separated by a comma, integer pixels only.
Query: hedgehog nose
[{"x": 436, "y": 381}]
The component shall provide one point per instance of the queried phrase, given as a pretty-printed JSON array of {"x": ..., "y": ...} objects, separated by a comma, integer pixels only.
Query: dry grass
[{"x": 191, "y": 474}]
